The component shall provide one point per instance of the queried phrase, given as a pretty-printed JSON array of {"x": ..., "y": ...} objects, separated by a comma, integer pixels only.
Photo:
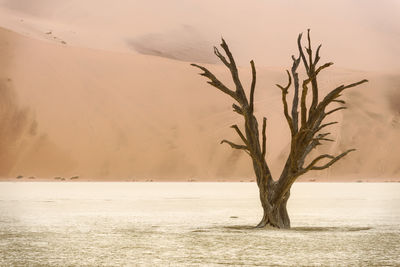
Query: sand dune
[{"x": 111, "y": 101}]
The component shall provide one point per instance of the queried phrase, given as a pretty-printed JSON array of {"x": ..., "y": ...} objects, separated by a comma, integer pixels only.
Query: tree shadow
[
  {"x": 300, "y": 228},
  {"x": 329, "y": 229}
]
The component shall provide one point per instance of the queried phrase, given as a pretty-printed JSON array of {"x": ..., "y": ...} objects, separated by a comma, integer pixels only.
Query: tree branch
[
  {"x": 321, "y": 137},
  {"x": 355, "y": 84},
  {"x": 314, "y": 143},
  {"x": 326, "y": 139},
  {"x": 264, "y": 137},
  {"x": 236, "y": 146},
  {"x": 215, "y": 82},
  {"x": 303, "y": 106},
  {"x": 233, "y": 145},
  {"x": 316, "y": 160},
  {"x": 339, "y": 101},
  {"x": 224, "y": 45},
  {"x": 240, "y": 134},
  {"x": 309, "y": 50},
  {"x": 295, "y": 114},
  {"x": 317, "y": 58},
  {"x": 313, "y": 77},
  {"x": 332, "y": 161},
  {"x": 285, "y": 105},
  {"x": 221, "y": 57},
  {"x": 334, "y": 110},
  {"x": 253, "y": 85},
  {"x": 320, "y": 68},
  {"x": 302, "y": 53},
  {"x": 336, "y": 92},
  {"x": 235, "y": 74},
  {"x": 237, "y": 109},
  {"x": 325, "y": 125}
]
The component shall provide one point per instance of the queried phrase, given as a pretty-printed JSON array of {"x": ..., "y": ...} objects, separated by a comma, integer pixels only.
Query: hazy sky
[{"x": 355, "y": 34}]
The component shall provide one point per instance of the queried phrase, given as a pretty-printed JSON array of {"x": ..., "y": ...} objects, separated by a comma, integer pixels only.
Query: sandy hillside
[{"x": 85, "y": 94}]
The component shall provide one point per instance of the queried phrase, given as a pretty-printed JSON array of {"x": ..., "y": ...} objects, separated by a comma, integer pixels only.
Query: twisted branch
[
  {"x": 285, "y": 105},
  {"x": 253, "y": 85},
  {"x": 332, "y": 161},
  {"x": 215, "y": 82}
]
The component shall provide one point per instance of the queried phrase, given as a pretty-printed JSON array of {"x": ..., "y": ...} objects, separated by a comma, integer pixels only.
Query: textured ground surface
[{"x": 195, "y": 224}]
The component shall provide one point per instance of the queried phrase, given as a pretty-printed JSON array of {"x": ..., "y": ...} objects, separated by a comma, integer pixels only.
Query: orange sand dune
[
  {"x": 114, "y": 98},
  {"x": 126, "y": 116}
]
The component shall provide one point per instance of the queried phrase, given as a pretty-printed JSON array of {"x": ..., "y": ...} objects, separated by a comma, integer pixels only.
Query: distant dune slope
[{"x": 125, "y": 116}]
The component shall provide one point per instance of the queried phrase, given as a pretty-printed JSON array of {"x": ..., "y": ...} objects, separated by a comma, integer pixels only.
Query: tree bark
[{"x": 274, "y": 214}]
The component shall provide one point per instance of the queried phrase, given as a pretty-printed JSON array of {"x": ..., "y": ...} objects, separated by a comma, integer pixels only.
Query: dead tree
[{"x": 306, "y": 120}]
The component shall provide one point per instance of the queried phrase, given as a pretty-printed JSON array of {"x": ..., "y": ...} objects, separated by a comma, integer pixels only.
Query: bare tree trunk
[
  {"x": 274, "y": 214},
  {"x": 305, "y": 131}
]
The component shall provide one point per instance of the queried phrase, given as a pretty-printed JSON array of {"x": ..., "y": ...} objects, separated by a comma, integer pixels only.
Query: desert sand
[{"x": 107, "y": 93}]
